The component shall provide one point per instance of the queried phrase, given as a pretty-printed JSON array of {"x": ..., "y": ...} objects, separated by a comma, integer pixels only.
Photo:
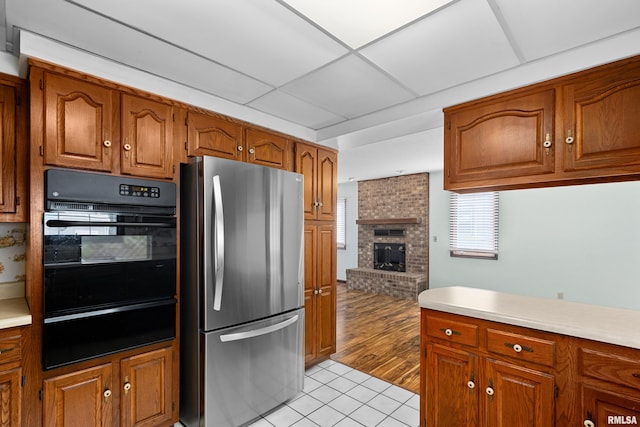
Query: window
[
  {"x": 473, "y": 227},
  {"x": 341, "y": 233}
]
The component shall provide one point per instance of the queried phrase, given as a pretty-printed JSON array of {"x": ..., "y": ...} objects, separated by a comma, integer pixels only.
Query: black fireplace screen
[{"x": 389, "y": 256}]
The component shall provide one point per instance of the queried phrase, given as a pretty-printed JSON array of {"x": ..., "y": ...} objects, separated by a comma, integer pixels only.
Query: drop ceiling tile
[
  {"x": 349, "y": 87},
  {"x": 289, "y": 108},
  {"x": 544, "y": 27},
  {"x": 80, "y": 28},
  {"x": 358, "y": 22},
  {"x": 262, "y": 39},
  {"x": 445, "y": 49}
]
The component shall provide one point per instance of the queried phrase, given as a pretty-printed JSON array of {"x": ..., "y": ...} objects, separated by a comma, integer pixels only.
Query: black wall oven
[{"x": 109, "y": 265}]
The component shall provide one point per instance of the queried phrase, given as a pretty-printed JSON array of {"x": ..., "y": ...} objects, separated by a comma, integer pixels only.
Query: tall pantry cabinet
[{"x": 319, "y": 166}]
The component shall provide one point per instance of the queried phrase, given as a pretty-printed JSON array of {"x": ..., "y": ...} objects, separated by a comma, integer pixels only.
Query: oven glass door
[{"x": 96, "y": 260}]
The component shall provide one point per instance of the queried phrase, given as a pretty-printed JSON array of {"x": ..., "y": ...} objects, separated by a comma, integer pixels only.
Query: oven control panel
[{"x": 139, "y": 191}]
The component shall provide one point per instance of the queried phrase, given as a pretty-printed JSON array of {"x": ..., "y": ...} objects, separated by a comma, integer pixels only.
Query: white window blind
[
  {"x": 341, "y": 232},
  {"x": 473, "y": 227}
]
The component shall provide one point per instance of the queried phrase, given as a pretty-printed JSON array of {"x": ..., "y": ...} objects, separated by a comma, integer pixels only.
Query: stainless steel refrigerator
[{"x": 242, "y": 315}]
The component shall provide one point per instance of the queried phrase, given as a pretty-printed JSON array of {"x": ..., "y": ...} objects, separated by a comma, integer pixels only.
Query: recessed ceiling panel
[
  {"x": 289, "y": 108},
  {"x": 262, "y": 39},
  {"x": 87, "y": 31},
  {"x": 544, "y": 27},
  {"x": 349, "y": 87},
  {"x": 358, "y": 22},
  {"x": 446, "y": 49}
]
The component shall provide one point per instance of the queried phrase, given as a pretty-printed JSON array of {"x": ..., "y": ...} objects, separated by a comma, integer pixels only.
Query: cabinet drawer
[
  {"x": 610, "y": 367},
  {"x": 522, "y": 347},
  {"x": 452, "y": 331},
  {"x": 10, "y": 347}
]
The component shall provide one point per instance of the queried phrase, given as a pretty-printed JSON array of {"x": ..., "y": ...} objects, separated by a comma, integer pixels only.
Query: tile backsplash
[{"x": 12, "y": 252}]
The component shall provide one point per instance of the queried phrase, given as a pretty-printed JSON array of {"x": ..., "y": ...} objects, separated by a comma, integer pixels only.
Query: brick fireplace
[{"x": 393, "y": 214}]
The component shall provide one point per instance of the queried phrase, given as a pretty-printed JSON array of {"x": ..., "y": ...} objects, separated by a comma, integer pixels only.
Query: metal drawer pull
[
  {"x": 6, "y": 350},
  {"x": 448, "y": 332},
  {"x": 518, "y": 348}
]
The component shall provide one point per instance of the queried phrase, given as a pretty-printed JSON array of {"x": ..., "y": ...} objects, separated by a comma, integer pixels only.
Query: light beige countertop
[
  {"x": 607, "y": 324},
  {"x": 14, "y": 312}
]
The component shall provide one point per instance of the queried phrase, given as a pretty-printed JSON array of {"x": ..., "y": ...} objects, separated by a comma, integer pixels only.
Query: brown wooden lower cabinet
[
  {"x": 10, "y": 396},
  {"x": 90, "y": 397},
  {"x": 319, "y": 291},
  {"x": 11, "y": 348},
  {"x": 478, "y": 373}
]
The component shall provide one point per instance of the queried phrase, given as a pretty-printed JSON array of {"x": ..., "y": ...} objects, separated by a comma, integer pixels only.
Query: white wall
[
  {"x": 348, "y": 258},
  {"x": 583, "y": 241}
]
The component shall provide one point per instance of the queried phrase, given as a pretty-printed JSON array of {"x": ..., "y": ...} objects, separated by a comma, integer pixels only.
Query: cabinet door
[
  {"x": 452, "y": 387},
  {"x": 605, "y": 408},
  {"x": 10, "y": 397},
  {"x": 307, "y": 164},
  {"x": 267, "y": 149},
  {"x": 147, "y": 138},
  {"x": 601, "y": 115},
  {"x": 82, "y": 398},
  {"x": 8, "y": 178},
  {"x": 327, "y": 184},
  {"x": 146, "y": 388},
  {"x": 310, "y": 276},
  {"x": 78, "y": 124},
  {"x": 210, "y": 136},
  {"x": 326, "y": 286},
  {"x": 503, "y": 139},
  {"x": 517, "y": 396}
]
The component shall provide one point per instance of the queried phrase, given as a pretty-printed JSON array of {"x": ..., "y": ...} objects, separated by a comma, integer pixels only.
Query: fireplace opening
[{"x": 389, "y": 256}]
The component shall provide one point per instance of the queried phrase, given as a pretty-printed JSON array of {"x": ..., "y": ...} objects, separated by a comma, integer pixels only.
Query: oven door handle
[
  {"x": 218, "y": 231},
  {"x": 63, "y": 223}
]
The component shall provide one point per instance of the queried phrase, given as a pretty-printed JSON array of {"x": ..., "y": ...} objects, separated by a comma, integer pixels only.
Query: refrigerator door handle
[
  {"x": 257, "y": 332},
  {"x": 218, "y": 231}
]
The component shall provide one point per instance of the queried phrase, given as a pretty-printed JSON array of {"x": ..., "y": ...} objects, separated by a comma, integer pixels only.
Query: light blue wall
[
  {"x": 583, "y": 241},
  {"x": 348, "y": 258}
]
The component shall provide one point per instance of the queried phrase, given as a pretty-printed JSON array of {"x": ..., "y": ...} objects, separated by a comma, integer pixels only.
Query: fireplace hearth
[{"x": 389, "y": 257}]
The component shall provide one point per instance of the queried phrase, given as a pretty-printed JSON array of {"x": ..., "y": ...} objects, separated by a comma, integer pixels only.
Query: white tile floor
[{"x": 336, "y": 395}]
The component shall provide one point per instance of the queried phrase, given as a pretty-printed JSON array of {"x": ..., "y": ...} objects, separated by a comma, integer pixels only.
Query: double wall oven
[{"x": 109, "y": 265}]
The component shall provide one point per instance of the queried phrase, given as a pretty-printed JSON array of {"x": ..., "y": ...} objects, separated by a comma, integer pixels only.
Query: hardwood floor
[{"x": 379, "y": 335}]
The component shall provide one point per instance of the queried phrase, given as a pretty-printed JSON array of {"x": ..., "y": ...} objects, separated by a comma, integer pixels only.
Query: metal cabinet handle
[
  {"x": 569, "y": 139},
  {"x": 547, "y": 144}
]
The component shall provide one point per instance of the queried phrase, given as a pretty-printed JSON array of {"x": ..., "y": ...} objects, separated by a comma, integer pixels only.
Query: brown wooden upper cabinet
[
  {"x": 320, "y": 169},
  {"x": 210, "y": 135},
  {"x": 13, "y": 149},
  {"x": 81, "y": 128},
  {"x": 582, "y": 128},
  {"x": 147, "y": 138}
]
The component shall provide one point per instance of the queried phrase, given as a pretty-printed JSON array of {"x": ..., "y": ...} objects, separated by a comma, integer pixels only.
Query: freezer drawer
[{"x": 251, "y": 369}]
